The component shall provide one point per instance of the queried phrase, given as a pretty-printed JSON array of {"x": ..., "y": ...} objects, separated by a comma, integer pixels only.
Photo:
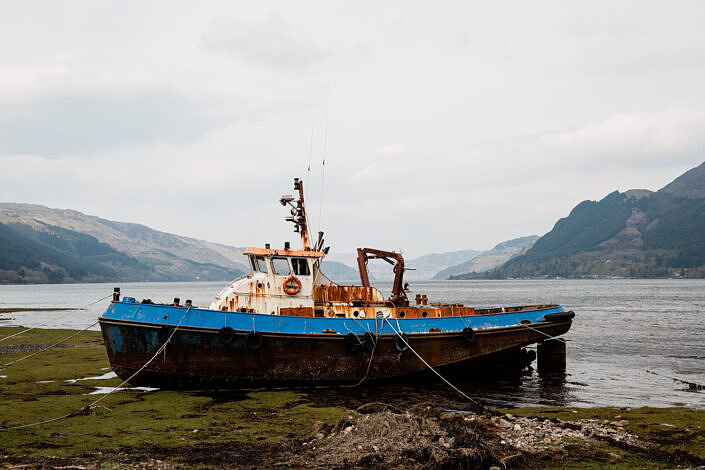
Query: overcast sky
[{"x": 450, "y": 125}]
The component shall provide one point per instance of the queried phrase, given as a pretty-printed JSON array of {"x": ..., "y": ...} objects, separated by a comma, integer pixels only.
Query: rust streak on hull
[{"x": 197, "y": 356}]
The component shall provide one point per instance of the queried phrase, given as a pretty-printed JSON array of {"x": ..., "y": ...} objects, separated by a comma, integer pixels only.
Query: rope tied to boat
[
  {"x": 477, "y": 405},
  {"x": 52, "y": 346},
  {"x": 161, "y": 348},
  {"x": 691, "y": 385},
  {"x": 55, "y": 319},
  {"x": 86, "y": 410},
  {"x": 367, "y": 371},
  {"x": 375, "y": 340}
]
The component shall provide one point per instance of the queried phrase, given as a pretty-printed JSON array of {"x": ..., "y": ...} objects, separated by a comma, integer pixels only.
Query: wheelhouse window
[
  {"x": 281, "y": 266},
  {"x": 258, "y": 264},
  {"x": 300, "y": 266}
]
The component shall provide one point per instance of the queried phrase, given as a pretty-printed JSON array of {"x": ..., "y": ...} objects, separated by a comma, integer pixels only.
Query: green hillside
[
  {"x": 633, "y": 234},
  {"x": 51, "y": 254},
  {"x": 56, "y": 255}
]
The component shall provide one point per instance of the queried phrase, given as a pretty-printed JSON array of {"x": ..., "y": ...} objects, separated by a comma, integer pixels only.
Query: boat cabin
[{"x": 290, "y": 282}]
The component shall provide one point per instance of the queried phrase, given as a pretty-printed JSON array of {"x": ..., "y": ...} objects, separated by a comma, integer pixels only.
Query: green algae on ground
[
  {"x": 36, "y": 389},
  {"x": 220, "y": 428},
  {"x": 677, "y": 436}
]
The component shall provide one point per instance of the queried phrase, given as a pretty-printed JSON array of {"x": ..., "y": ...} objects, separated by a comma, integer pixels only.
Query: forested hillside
[
  {"x": 42, "y": 245},
  {"x": 633, "y": 234}
]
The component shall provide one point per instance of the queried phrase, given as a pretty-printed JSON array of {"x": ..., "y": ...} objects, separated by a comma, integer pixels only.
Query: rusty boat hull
[{"x": 209, "y": 348}]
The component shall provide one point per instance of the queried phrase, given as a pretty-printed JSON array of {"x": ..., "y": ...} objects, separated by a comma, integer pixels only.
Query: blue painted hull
[
  {"x": 210, "y": 347},
  {"x": 204, "y": 318}
]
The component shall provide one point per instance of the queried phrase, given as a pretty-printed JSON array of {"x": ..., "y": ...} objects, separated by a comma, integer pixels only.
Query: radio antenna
[
  {"x": 310, "y": 149},
  {"x": 325, "y": 151}
]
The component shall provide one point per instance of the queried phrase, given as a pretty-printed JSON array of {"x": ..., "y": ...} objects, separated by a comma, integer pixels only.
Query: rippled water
[{"x": 622, "y": 328}]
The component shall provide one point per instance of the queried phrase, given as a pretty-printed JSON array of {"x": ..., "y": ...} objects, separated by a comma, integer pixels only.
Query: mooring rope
[
  {"x": 82, "y": 411},
  {"x": 692, "y": 385},
  {"x": 367, "y": 371},
  {"x": 54, "y": 319},
  {"x": 3, "y": 366},
  {"x": 87, "y": 409},
  {"x": 162, "y": 348},
  {"x": 401, "y": 337},
  {"x": 549, "y": 336}
]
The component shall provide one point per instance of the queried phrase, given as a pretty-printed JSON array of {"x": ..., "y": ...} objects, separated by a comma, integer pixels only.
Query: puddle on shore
[
  {"x": 103, "y": 390},
  {"x": 107, "y": 375}
]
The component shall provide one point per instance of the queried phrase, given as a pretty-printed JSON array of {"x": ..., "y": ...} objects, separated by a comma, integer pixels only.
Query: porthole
[
  {"x": 424, "y": 314},
  {"x": 356, "y": 313},
  {"x": 402, "y": 314}
]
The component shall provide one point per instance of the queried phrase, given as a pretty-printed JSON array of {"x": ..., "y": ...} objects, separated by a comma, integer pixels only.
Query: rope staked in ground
[
  {"x": 692, "y": 385},
  {"x": 87, "y": 409},
  {"x": 3, "y": 366},
  {"x": 162, "y": 348},
  {"x": 54, "y": 319},
  {"x": 474, "y": 402}
]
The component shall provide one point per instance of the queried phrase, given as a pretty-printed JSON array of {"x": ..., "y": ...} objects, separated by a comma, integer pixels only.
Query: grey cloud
[
  {"x": 269, "y": 42},
  {"x": 83, "y": 122}
]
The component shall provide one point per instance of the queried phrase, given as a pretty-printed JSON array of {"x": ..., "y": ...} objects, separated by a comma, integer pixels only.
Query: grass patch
[
  {"x": 131, "y": 420},
  {"x": 219, "y": 428}
]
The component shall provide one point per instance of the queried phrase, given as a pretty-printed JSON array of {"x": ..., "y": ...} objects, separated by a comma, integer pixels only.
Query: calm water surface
[{"x": 622, "y": 327}]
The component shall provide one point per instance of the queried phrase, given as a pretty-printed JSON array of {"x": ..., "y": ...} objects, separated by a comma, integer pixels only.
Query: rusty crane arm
[{"x": 363, "y": 254}]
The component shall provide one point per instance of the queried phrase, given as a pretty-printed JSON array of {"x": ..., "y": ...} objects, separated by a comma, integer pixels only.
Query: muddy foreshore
[{"x": 303, "y": 428}]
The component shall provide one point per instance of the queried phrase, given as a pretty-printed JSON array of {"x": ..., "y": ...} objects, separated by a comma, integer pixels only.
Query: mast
[
  {"x": 301, "y": 210},
  {"x": 299, "y": 219},
  {"x": 298, "y": 214}
]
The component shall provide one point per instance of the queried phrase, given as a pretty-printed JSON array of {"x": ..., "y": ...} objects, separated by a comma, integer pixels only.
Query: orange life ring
[{"x": 292, "y": 285}]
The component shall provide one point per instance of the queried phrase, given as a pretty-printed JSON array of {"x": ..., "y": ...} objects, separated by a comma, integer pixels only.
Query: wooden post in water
[{"x": 551, "y": 356}]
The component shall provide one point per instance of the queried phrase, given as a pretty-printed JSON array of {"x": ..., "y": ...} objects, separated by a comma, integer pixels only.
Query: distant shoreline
[
  {"x": 34, "y": 309},
  {"x": 356, "y": 282}
]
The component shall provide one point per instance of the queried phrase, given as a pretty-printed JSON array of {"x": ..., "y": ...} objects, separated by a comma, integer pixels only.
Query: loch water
[{"x": 622, "y": 329}]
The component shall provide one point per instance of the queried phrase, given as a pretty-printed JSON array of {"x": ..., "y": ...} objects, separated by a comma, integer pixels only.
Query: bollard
[{"x": 551, "y": 356}]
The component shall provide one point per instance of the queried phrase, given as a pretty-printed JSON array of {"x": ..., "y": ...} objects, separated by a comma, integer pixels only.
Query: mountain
[
  {"x": 339, "y": 272},
  {"x": 428, "y": 265},
  {"x": 424, "y": 267},
  {"x": 39, "y": 244},
  {"x": 638, "y": 233},
  {"x": 489, "y": 259},
  {"x": 690, "y": 184}
]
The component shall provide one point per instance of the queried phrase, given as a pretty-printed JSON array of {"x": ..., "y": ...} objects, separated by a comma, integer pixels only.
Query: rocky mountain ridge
[
  {"x": 638, "y": 233},
  {"x": 490, "y": 259}
]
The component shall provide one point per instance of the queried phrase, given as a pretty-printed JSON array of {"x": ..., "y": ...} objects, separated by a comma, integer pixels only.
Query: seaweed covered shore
[{"x": 296, "y": 429}]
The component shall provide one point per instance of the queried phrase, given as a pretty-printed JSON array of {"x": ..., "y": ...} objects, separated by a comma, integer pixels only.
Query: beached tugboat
[{"x": 287, "y": 323}]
